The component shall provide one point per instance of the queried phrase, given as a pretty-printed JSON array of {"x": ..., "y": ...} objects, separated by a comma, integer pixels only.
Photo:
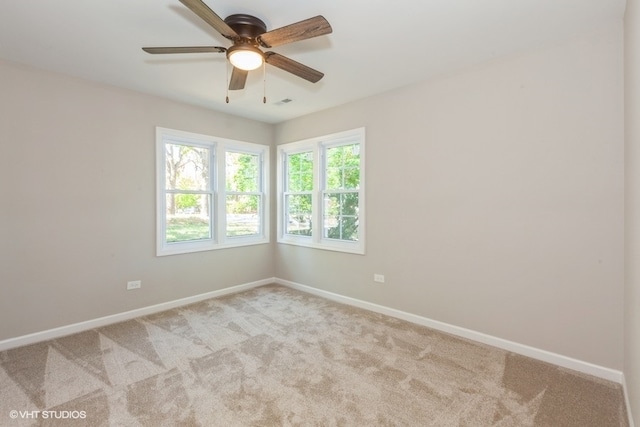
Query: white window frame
[
  {"x": 218, "y": 148},
  {"x": 317, "y": 147}
]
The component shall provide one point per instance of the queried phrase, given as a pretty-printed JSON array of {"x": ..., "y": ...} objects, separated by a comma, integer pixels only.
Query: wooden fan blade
[
  {"x": 312, "y": 27},
  {"x": 293, "y": 67},
  {"x": 210, "y": 17},
  {"x": 238, "y": 79},
  {"x": 184, "y": 49}
]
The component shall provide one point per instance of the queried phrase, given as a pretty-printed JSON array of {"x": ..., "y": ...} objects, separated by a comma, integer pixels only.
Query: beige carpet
[{"x": 273, "y": 356}]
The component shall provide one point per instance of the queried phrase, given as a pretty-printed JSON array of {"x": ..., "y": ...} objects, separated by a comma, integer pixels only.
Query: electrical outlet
[
  {"x": 135, "y": 284},
  {"x": 378, "y": 278}
]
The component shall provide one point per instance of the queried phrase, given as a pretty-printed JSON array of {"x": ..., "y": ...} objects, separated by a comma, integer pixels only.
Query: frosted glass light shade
[{"x": 245, "y": 57}]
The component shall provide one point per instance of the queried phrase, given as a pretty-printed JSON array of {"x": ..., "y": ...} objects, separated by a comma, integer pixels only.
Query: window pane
[
  {"x": 341, "y": 216},
  {"x": 243, "y": 215},
  {"x": 300, "y": 172},
  {"x": 242, "y": 172},
  {"x": 298, "y": 207},
  {"x": 343, "y": 167},
  {"x": 188, "y": 217},
  {"x": 187, "y": 167}
]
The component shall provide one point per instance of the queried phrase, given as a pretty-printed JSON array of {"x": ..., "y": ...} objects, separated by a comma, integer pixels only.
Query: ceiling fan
[{"x": 248, "y": 35}]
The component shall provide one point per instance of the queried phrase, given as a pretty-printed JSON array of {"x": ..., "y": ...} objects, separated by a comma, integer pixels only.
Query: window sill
[
  {"x": 356, "y": 248},
  {"x": 191, "y": 247}
]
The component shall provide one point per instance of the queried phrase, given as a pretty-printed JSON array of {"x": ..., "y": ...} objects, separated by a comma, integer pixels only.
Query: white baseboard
[
  {"x": 546, "y": 356},
  {"x": 535, "y": 353},
  {"x": 627, "y": 401},
  {"x": 120, "y": 317}
]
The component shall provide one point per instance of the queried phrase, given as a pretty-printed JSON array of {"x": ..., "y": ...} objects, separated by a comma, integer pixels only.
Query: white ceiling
[{"x": 375, "y": 46}]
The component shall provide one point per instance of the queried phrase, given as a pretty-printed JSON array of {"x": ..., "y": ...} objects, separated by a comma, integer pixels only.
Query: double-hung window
[
  {"x": 321, "y": 192},
  {"x": 244, "y": 197},
  {"x": 298, "y": 194},
  {"x": 212, "y": 192}
]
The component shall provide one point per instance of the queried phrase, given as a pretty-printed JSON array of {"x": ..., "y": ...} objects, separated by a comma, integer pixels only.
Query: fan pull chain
[{"x": 264, "y": 81}]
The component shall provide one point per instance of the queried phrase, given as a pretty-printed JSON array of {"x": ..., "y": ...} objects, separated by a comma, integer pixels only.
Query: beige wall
[
  {"x": 632, "y": 158},
  {"x": 494, "y": 199},
  {"x": 77, "y": 167}
]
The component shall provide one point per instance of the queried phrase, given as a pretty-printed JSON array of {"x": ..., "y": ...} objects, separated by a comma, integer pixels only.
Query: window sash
[
  {"x": 341, "y": 225},
  {"x": 243, "y": 224},
  {"x": 185, "y": 225},
  {"x": 295, "y": 221}
]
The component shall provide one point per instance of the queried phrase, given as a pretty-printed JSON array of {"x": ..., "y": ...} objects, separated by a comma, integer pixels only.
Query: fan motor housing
[{"x": 247, "y": 26}]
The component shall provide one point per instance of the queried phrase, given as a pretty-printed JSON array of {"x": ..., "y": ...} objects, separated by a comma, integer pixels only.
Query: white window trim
[
  {"x": 218, "y": 147},
  {"x": 316, "y": 146}
]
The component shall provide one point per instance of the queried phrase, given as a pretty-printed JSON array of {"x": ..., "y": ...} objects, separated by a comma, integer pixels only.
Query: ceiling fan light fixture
[
  {"x": 249, "y": 35},
  {"x": 245, "y": 57}
]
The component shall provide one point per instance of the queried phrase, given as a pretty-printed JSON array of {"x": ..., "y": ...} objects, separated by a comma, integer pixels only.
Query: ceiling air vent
[{"x": 284, "y": 101}]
